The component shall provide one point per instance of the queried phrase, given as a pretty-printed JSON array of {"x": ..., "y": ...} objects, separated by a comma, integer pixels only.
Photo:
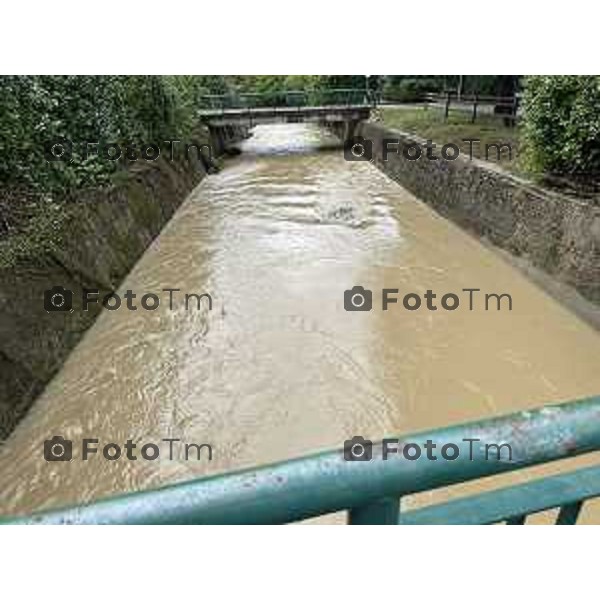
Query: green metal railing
[
  {"x": 290, "y": 98},
  {"x": 371, "y": 491}
]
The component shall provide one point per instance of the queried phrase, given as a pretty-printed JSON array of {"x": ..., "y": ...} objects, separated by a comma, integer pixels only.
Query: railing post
[
  {"x": 385, "y": 511},
  {"x": 519, "y": 520},
  {"x": 569, "y": 513}
]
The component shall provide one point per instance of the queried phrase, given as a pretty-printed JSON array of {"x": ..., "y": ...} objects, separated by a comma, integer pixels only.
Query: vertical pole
[
  {"x": 474, "y": 116},
  {"x": 520, "y": 520},
  {"x": 515, "y": 108},
  {"x": 349, "y": 128},
  {"x": 568, "y": 513},
  {"x": 447, "y": 107},
  {"x": 385, "y": 511}
]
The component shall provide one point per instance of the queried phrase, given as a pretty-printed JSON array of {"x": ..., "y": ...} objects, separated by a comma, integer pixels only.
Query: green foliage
[
  {"x": 409, "y": 89},
  {"x": 274, "y": 90},
  {"x": 265, "y": 85},
  {"x": 115, "y": 109},
  {"x": 343, "y": 81},
  {"x": 305, "y": 83},
  {"x": 277, "y": 83},
  {"x": 484, "y": 85},
  {"x": 562, "y": 124}
]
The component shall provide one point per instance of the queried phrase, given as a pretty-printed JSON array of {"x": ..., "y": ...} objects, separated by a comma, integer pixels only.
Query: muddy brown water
[{"x": 278, "y": 368}]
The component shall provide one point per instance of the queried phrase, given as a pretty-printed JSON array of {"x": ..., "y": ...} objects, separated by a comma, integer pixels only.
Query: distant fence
[{"x": 475, "y": 105}]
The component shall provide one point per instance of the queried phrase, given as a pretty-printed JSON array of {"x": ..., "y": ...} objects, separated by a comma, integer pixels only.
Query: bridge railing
[
  {"x": 371, "y": 490},
  {"x": 289, "y": 98}
]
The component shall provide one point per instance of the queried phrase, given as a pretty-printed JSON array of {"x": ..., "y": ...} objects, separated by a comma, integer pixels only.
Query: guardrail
[
  {"x": 290, "y": 98},
  {"x": 371, "y": 490}
]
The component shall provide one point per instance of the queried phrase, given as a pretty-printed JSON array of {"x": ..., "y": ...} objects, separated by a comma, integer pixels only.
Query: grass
[{"x": 428, "y": 122}]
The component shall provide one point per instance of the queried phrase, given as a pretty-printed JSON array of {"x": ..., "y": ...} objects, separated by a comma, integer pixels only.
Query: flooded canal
[{"x": 278, "y": 368}]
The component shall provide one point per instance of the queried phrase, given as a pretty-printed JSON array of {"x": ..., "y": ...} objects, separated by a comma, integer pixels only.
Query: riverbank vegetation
[
  {"x": 555, "y": 141},
  {"x": 429, "y": 123},
  {"x": 35, "y": 110},
  {"x": 36, "y": 194}
]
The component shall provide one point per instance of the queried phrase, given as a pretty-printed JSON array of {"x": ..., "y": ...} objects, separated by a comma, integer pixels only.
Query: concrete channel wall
[
  {"x": 556, "y": 234},
  {"x": 101, "y": 236}
]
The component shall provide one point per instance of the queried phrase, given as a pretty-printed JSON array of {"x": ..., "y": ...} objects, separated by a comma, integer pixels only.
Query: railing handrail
[
  {"x": 326, "y": 483},
  {"x": 235, "y": 98}
]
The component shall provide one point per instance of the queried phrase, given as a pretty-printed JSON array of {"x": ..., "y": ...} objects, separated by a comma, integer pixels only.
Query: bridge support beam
[
  {"x": 217, "y": 140},
  {"x": 349, "y": 129},
  {"x": 222, "y": 136}
]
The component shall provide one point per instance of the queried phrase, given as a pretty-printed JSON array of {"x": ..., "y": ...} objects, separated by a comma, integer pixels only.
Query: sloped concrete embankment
[{"x": 93, "y": 243}]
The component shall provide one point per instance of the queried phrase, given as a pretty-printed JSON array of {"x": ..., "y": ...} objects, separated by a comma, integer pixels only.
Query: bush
[
  {"x": 114, "y": 109},
  {"x": 561, "y": 127},
  {"x": 409, "y": 89}
]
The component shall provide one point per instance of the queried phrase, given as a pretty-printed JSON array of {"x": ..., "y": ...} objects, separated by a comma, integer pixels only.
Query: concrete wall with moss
[{"x": 92, "y": 241}]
